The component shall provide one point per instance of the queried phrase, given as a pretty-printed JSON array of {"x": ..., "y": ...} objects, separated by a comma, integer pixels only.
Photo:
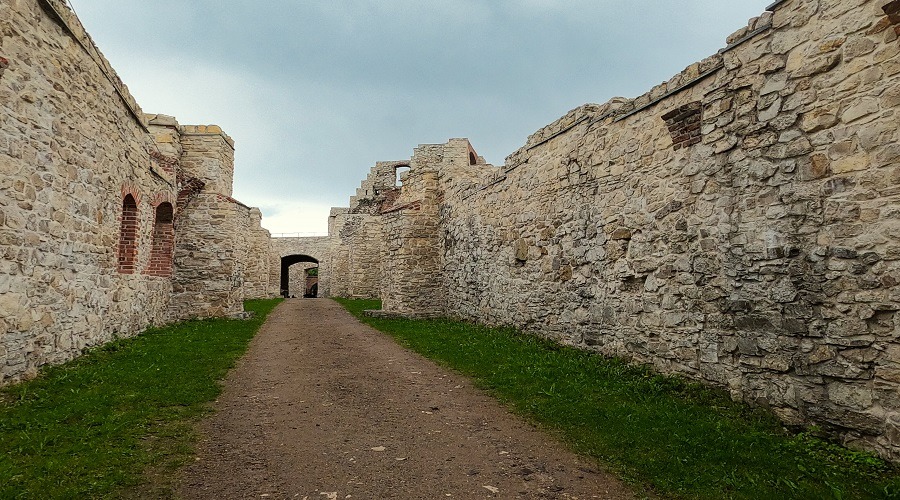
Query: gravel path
[{"x": 323, "y": 407}]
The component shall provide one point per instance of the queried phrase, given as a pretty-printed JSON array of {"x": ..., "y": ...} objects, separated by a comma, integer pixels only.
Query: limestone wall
[
  {"x": 299, "y": 281},
  {"x": 356, "y": 256},
  {"x": 96, "y": 199},
  {"x": 258, "y": 256},
  {"x": 316, "y": 247},
  {"x": 737, "y": 224},
  {"x": 352, "y": 251},
  {"x": 413, "y": 281},
  {"x": 210, "y": 253},
  {"x": 72, "y": 146}
]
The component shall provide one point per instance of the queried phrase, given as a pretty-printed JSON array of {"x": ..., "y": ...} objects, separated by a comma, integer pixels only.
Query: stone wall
[
  {"x": 353, "y": 249},
  {"x": 93, "y": 195},
  {"x": 299, "y": 281},
  {"x": 356, "y": 256},
  {"x": 413, "y": 282},
  {"x": 209, "y": 271},
  {"x": 258, "y": 257},
  {"x": 72, "y": 147},
  {"x": 736, "y": 224},
  {"x": 318, "y": 248}
]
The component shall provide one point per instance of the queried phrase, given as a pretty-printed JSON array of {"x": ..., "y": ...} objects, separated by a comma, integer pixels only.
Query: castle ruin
[
  {"x": 112, "y": 220},
  {"x": 737, "y": 225}
]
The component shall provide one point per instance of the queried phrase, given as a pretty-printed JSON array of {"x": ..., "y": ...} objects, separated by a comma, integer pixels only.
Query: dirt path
[{"x": 323, "y": 407}]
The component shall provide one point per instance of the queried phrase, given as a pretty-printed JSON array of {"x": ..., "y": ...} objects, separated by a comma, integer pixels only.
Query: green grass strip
[
  {"x": 662, "y": 434},
  {"x": 120, "y": 417}
]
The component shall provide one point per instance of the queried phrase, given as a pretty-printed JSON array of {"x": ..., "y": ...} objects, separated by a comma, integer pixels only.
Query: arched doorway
[{"x": 286, "y": 263}]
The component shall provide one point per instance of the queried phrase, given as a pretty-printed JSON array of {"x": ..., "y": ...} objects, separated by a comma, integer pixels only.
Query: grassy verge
[
  {"x": 662, "y": 434},
  {"x": 95, "y": 427}
]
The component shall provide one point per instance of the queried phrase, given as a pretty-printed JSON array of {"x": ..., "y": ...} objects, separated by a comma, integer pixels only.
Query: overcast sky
[{"x": 315, "y": 92}]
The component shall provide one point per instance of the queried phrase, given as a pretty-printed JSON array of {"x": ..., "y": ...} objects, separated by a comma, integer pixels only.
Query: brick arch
[
  {"x": 130, "y": 188},
  {"x": 163, "y": 243},
  {"x": 128, "y": 232},
  {"x": 473, "y": 156},
  {"x": 162, "y": 197}
]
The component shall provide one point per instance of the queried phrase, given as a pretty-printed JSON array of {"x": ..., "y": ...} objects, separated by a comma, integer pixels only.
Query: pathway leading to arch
[{"x": 323, "y": 407}]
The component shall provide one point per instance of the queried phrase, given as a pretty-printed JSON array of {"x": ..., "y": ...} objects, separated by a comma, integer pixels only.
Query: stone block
[
  {"x": 860, "y": 109},
  {"x": 852, "y": 163},
  {"x": 856, "y": 396}
]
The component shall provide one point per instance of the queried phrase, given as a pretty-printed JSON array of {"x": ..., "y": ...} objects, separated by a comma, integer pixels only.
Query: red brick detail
[
  {"x": 229, "y": 199},
  {"x": 310, "y": 282},
  {"x": 130, "y": 188},
  {"x": 684, "y": 125},
  {"x": 168, "y": 164},
  {"x": 413, "y": 206},
  {"x": 162, "y": 197},
  {"x": 127, "y": 251},
  {"x": 473, "y": 156},
  {"x": 163, "y": 246},
  {"x": 390, "y": 197}
]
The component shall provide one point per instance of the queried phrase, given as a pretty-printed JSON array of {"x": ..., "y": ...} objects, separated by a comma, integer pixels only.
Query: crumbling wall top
[{"x": 161, "y": 120}]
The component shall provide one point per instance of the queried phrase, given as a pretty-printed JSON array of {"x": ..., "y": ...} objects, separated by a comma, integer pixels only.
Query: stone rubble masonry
[
  {"x": 299, "y": 281},
  {"x": 74, "y": 145},
  {"x": 354, "y": 245},
  {"x": 209, "y": 268},
  {"x": 259, "y": 255},
  {"x": 319, "y": 248},
  {"x": 763, "y": 256}
]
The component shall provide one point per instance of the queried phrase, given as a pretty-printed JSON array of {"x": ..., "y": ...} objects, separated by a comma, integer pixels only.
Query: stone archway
[
  {"x": 286, "y": 262},
  {"x": 313, "y": 250}
]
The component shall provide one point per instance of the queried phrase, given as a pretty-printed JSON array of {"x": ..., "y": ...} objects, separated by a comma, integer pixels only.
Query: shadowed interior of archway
[{"x": 286, "y": 263}]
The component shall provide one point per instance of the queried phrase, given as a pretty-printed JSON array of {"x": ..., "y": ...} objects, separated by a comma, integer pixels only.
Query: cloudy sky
[{"x": 315, "y": 92}]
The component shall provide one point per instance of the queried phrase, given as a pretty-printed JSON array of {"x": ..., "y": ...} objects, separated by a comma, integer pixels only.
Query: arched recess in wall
[
  {"x": 286, "y": 263},
  {"x": 163, "y": 241},
  {"x": 127, "y": 251}
]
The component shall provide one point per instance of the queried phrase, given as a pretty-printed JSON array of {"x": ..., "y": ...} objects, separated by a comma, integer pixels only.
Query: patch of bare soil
[{"x": 324, "y": 407}]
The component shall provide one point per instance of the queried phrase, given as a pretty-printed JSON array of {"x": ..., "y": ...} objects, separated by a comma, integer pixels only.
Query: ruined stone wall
[
  {"x": 358, "y": 234},
  {"x": 218, "y": 239},
  {"x": 93, "y": 195},
  {"x": 258, "y": 255},
  {"x": 317, "y": 247},
  {"x": 72, "y": 146},
  {"x": 356, "y": 256},
  {"x": 210, "y": 254},
  {"x": 352, "y": 251},
  {"x": 737, "y": 224},
  {"x": 413, "y": 279},
  {"x": 299, "y": 281}
]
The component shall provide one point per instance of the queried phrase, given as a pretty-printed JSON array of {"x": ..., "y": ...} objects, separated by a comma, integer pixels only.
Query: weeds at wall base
[{"x": 664, "y": 435}]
